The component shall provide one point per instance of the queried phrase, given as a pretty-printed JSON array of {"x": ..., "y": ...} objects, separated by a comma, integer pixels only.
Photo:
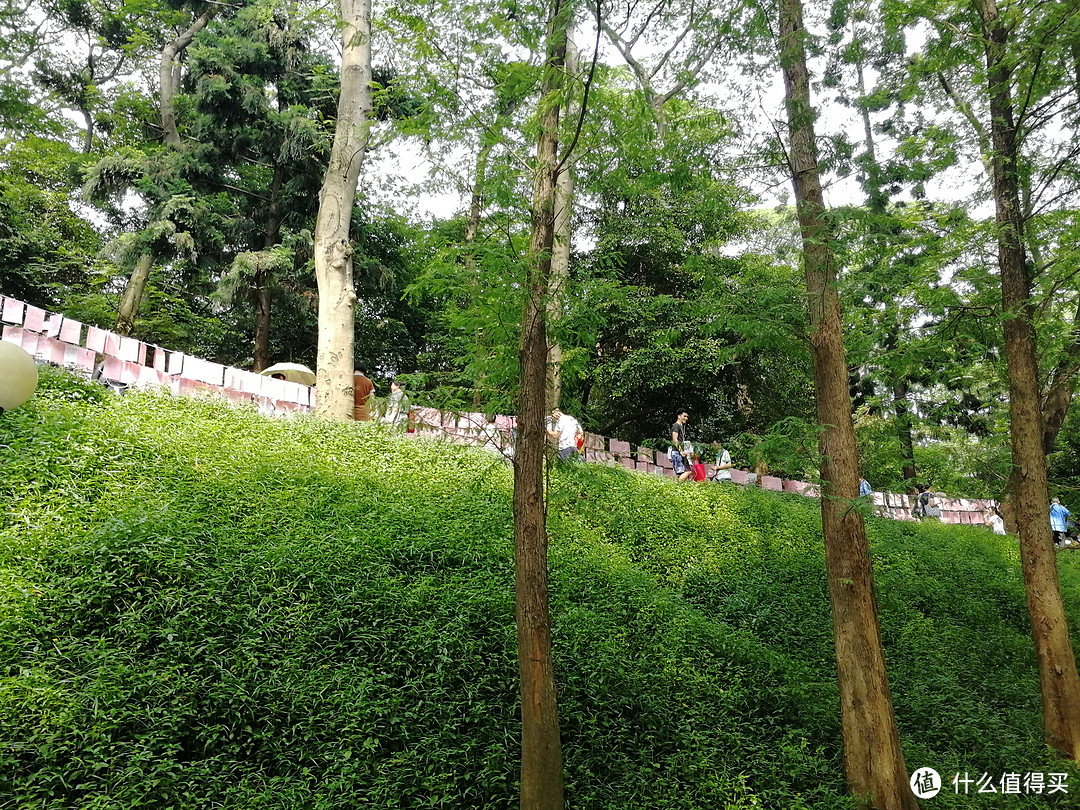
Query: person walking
[
  {"x": 397, "y": 408},
  {"x": 1058, "y": 527},
  {"x": 996, "y": 521},
  {"x": 363, "y": 388},
  {"x": 864, "y": 487},
  {"x": 679, "y": 464},
  {"x": 564, "y": 429},
  {"x": 723, "y": 466}
]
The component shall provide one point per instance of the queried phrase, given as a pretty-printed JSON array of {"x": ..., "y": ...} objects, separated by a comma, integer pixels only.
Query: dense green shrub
[{"x": 200, "y": 607}]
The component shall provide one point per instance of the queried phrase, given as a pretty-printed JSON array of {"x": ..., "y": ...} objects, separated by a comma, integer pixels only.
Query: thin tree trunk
[
  {"x": 88, "y": 136},
  {"x": 878, "y": 203},
  {"x": 133, "y": 295},
  {"x": 1062, "y": 383},
  {"x": 472, "y": 229},
  {"x": 1058, "y": 678},
  {"x": 903, "y": 431},
  {"x": 169, "y": 76},
  {"x": 873, "y": 761},
  {"x": 489, "y": 140},
  {"x": 261, "y": 283},
  {"x": 560, "y": 253},
  {"x": 333, "y": 248},
  {"x": 1059, "y": 394},
  {"x": 541, "y": 750}
]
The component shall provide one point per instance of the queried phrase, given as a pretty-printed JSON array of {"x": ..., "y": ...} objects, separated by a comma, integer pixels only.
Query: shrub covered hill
[{"x": 204, "y": 608}]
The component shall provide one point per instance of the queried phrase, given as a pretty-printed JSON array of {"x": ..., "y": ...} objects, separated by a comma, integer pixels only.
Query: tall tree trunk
[
  {"x": 873, "y": 761},
  {"x": 560, "y": 252},
  {"x": 1062, "y": 382},
  {"x": 261, "y": 283},
  {"x": 878, "y": 204},
  {"x": 169, "y": 76},
  {"x": 541, "y": 750},
  {"x": 472, "y": 229},
  {"x": 333, "y": 248},
  {"x": 1062, "y": 386},
  {"x": 133, "y": 295},
  {"x": 88, "y": 136},
  {"x": 489, "y": 140},
  {"x": 903, "y": 431},
  {"x": 1058, "y": 678}
]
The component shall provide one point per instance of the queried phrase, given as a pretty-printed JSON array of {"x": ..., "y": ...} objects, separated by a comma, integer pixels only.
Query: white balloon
[{"x": 18, "y": 376}]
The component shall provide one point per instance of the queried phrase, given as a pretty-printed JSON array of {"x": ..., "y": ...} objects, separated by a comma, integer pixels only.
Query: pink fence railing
[
  {"x": 54, "y": 338},
  {"x": 467, "y": 428}
]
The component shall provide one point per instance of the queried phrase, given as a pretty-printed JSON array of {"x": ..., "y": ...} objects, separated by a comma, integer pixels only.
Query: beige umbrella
[{"x": 293, "y": 372}]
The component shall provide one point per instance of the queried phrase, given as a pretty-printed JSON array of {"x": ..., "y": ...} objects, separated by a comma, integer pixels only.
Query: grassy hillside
[{"x": 203, "y": 608}]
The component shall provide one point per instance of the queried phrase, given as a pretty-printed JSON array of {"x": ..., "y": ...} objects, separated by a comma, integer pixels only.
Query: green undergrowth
[{"x": 201, "y": 607}]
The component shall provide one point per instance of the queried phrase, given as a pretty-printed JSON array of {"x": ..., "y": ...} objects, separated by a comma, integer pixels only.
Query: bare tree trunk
[
  {"x": 1058, "y": 678},
  {"x": 133, "y": 295},
  {"x": 88, "y": 136},
  {"x": 873, "y": 761},
  {"x": 169, "y": 76},
  {"x": 333, "y": 248},
  {"x": 878, "y": 204},
  {"x": 903, "y": 430},
  {"x": 560, "y": 252},
  {"x": 541, "y": 750},
  {"x": 489, "y": 140},
  {"x": 1062, "y": 386},
  {"x": 261, "y": 283}
]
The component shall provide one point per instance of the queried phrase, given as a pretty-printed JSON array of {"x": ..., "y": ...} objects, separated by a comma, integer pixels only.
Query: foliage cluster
[{"x": 202, "y": 607}]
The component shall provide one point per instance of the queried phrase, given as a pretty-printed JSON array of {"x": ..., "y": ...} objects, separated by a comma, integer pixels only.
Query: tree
[
  {"x": 866, "y": 713},
  {"x": 685, "y": 36},
  {"x": 333, "y": 249},
  {"x": 254, "y": 95},
  {"x": 541, "y": 750},
  {"x": 561, "y": 248},
  {"x": 1050, "y": 630}
]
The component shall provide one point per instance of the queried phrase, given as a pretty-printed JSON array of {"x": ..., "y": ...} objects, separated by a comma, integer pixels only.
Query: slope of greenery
[{"x": 201, "y": 607}]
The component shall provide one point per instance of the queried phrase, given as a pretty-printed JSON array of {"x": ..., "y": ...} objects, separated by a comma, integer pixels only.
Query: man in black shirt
[{"x": 678, "y": 436}]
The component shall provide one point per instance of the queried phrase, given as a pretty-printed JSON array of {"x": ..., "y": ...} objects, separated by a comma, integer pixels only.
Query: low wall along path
[{"x": 53, "y": 338}]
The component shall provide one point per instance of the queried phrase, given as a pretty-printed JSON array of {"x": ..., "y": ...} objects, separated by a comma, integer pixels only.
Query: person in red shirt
[{"x": 363, "y": 388}]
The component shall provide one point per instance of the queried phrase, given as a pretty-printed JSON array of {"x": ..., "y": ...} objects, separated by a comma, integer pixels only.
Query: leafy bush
[
  {"x": 58, "y": 384},
  {"x": 200, "y": 607}
]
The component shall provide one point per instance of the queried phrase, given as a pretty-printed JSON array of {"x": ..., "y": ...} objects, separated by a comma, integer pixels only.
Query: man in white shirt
[{"x": 564, "y": 429}]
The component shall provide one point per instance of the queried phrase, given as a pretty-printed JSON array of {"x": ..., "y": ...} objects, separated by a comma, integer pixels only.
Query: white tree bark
[
  {"x": 560, "y": 251},
  {"x": 333, "y": 248}
]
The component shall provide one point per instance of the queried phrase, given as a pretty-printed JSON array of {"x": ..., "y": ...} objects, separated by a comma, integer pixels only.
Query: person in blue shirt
[
  {"x": 1058, "y": 515},
  {"x": 864, "y": 487}
]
